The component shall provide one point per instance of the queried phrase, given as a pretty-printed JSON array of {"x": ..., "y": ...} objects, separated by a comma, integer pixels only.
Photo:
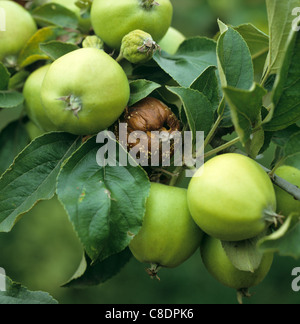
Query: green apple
[
  {"x": 232, "y": 198},
  {"x": 85, "y": 91},
  {"x": 171, "y": 41},
  {"x": 32, "y": 100},
  {"x": 220, "y": 267},
  {"x": 137, "y": 47},
  {"x": 33, "y": 130},
  {"x": 286, "y": 204},
  {"x": 19, "y": 28},
  {"x": 169, "y": 236},
  {"x": 113, "y": 19}
]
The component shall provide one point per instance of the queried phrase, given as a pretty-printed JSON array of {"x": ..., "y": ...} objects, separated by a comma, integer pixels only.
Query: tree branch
[{"x": 285, "y": 185}]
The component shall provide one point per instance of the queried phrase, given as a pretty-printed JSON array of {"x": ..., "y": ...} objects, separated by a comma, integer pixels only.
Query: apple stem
[
  {"x": 149, "y": 4},
  {"x": 119, "y": 58},
  {"x": 242, "y": 293}
]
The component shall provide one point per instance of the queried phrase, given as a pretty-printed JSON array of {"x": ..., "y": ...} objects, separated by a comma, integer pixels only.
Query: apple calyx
[
  {"x": 272, "y": 217},
  {"x": 149, "y": 4},
  {"x": 149, "y": 46},
  {"x": 74, "y": 104},
  {"x": 243, "y": 293},
  {"x": 11, "y": 61},
  {"x": 153, "y": 271}
]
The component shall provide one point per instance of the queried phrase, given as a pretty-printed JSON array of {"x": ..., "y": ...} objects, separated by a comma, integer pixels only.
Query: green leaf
[
  {"x": 140, "y": 89},
  {"x": 234, "y": 61},
  {"x": 32, "y": 52},
  {"x": 150, "y": 71},
  {"x": 223, "y": 27},
  {"x": 55, "y": 49},
  {"x": 258, "y": 43},
  {"x": 99, "y": 272},
  {"x": 280, "y": 24},
  {"x": 245, "y": 106},
  {"x": 105, "y": 204},
  {"x": 16, "y": 294},
  {"x": 293, "y": 145},
  {"x": 13, "y": 139},
  {"x": 17, "y": 80},
  {"x": 285, "y": 241},
  {"x": 9, "y": 115},
  {"x": 32, "y": 176},
  {"x": 55, "y": 14},
  {"x": 281, "y": 137},
  {"x": 208, "y": 84},
  {"x": 4, "y": 77},
  {"x": 197, "y": 107},
  {"x": 292, "y": 150},
  {"x": 193, "y": 57},
  {"x": 244, "y": 255},
  {"x": 11, "y": 99},
  {"x": 285, "y": 108},
  {"x": 267, "y": 142},
  {"x": 257, "y": 142}
]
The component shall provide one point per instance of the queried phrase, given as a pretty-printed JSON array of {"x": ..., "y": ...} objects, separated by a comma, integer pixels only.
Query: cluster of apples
[
  {"x": 232, "y": 199},
  {"x": 86, "y": 91}
]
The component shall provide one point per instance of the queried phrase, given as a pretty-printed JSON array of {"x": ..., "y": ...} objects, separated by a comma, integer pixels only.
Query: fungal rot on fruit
[{"x": 157, "y": 123}]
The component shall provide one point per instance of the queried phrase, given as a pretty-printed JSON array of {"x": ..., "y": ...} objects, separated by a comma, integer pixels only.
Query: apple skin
[
  {"x": 286, "y": 204},
  {"x": 220, "y": 267},
  {"x": 169, "y": 236},
  {"x": 92, "y": 81},
  {"x": 33, "y": 130},
  {"x": 18, "y": 31},
  {"x": 171, "y": 41},
  {"x": 113, "y": 19},
  {"x": 32, "y": 100},
  {"x": 231, "y": 198}
]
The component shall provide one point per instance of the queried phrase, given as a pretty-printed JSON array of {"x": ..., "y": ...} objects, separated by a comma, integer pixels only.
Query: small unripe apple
[
  {"x": 286, "y": 204},
  {"x": 138, "y": 47}
]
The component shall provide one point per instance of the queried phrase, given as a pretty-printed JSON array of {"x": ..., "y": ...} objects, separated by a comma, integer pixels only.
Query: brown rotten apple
[{"x": 150, "y": 124}]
